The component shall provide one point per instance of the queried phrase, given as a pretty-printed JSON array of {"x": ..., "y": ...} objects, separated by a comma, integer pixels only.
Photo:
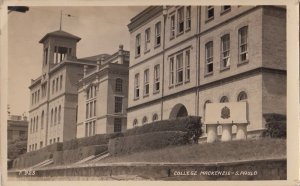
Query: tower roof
[{"x": 60, "y": 33}]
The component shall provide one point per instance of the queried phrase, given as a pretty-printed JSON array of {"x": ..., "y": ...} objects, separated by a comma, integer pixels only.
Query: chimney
[{"x": 120, "y": 54}]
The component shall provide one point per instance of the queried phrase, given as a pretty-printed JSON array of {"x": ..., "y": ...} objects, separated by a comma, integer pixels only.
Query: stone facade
[
  {"x": 102, "y": 96},
  {"x": 219, "y": 54},
  {"x": 53, "y": 102}
]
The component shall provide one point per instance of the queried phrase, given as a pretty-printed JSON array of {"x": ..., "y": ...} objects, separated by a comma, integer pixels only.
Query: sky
[{"x": 101, "y": 30}]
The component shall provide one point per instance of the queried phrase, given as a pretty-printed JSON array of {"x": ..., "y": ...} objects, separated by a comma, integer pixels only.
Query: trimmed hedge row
[
  {"x": 275, "y": 125},
  {"x": 147, "y": 141}
]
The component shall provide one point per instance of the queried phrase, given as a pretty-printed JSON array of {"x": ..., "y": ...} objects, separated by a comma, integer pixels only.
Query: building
[
  {"x": 17, "y": 127},
  {"x": 184, "y": 57},
  {"x": 102, "y": 95},
  {"x": 53, "y": 104}
]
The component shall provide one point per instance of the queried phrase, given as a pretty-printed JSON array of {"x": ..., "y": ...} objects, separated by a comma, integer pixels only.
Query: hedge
[
  {"x": 190, "y": 124},
  {"x": 147, "y": 141},
  {"x": 275, "y": 125}
]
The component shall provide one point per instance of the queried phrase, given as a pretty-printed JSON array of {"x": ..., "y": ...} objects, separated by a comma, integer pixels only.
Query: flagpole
[{"x": 60, "y": 20}]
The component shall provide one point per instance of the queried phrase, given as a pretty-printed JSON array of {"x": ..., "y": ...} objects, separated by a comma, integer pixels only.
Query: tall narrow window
[
  {"x": 59, "y": 114},
  {"x": 180, "y": 19},
  {"x": 91, "y": 109},
  {"x": 61, "y": 81},
  {"x": 147, "y": 39},
  {"x": 225, "y": 8},
  {"x": 94, "y": 128},
  {"x": 30, "y": 125},
  {"x": 137, "y": 86},
  {"x": 32, "y": 98},
  {"x": 138, "y": 45},
  {"x": 209, "y": 57},
  {"x": 119, "y": 84},
  {"x": 172, "y": 27},
  {"x": 188, "y": 17},
  {"x": 243, "y": 44},
  {"x": 117, "y": 125},
  {"x": 46, "y": 55},
  {"x": 135, "y": 122},
  {"x": 210, "y": 12},
  {"x": 90, "y": 129},
  {"x": 156, "y": 78},
  {"x": 42, "y": 120},
  {"x": 179, "y": 68},
  {"x": 157, "y": 33},
  {"x": 53, "y": 86},
  {"x": 51, "y": 123},
  {"x": 55, "y": 115},
  {"x": 94, "y": 107},
  {"x": 171, "y": 71},
  {"x": 187, "y": 66},
  {"x": 37, "y": 124},
  {"x": 225, "y": 51},
  {"x": 145, "y": 120},
  {"x": 87, "y": 107},
  {"x": 33, "y": 125},
  {"x": 146, "y": 82},
  {"x": 57, "y": 84},
  {"x": 154, "y": 117},
  {"x": 86, "y": 129},
  {"x": 118, "y": 104}
]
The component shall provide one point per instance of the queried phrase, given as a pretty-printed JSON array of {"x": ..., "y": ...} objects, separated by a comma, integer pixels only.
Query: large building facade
[
  {"x": 183, "y": 57},
  {"x": 53, "y": 104},
  {"x": 102, "y": 95}
]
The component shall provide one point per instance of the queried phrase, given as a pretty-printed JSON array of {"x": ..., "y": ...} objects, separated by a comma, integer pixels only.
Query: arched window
[
  {"x": 42, "y": 120},
  {"x": 242, "y": 96},
  {"x": 154, "y": 117},
  {"x": 37, "y": 123},
  {"x": 51, "y": 117},
  {"x": 224, "y": 99},
  {"x": 145, "y": 120},
  {"x": 135, "y": 122},
  {"x": 119, "y": 85},
  {"x": 59, "y": 114},
  {"x": 55, "y": 116}
]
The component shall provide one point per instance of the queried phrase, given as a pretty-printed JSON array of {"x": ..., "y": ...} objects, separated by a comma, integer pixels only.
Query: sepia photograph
[{"x": 147, "y": 93}]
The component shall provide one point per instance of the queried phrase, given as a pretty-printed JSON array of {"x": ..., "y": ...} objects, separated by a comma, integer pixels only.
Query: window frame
[
  {"x": 147, "y": 39},
  {"x": 223, "y": 52},
  {"x": 179, "y": 69},
  {"x": 138, "y": 45},
  {"x": 188, "y": 16},
  {"x": 209, "y": 60},
  {"x": 187, "y": 60},
  {"x": 208, "y": 9},
  {"x": 118, "y": 104},
  {"x": 136, "y": 86},
  {"x": 157, "y": 34},
  {"x": 180, "y": 20},
  {"x": 156, "y": 75},
  {"x": 146, "y": 82},
  {"x": 172, "y": 26},
  {"x": 240, "y": 44},
  {"x": 171, "y": 70}
]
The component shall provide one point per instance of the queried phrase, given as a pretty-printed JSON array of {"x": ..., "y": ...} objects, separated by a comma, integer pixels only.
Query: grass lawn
[{"x": 203, "y": 153}]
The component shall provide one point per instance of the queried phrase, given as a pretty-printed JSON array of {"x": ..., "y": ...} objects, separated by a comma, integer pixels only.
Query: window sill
[
  {"x": 135, "y": 99},
  {"x": 146, "y": 95},
  {"x": 137, "y": 56},
  {"x": 179, "y": 34},
  {"x": 172, "y": 37},
  {"x": 187, "y": 81},
  {"x": 224, "y": 69},
  {"x": 178, "y": 84},
  {"x": 209, "y": 74},
  {"x": 209, "y": 19},
  {"x": 188, "y": 29},
  {"x": 147, "y": 51},
  {"x": 171, "y": 86},
  {"x": 243, "y": 62},
  {"x": 225, "y": 11},
  {"x": 155, "y": 92},
  {"x": 156, "y": 46}
]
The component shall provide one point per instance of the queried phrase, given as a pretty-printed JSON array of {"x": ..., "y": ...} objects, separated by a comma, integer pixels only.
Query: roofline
[{"x": 49, "y": 35}]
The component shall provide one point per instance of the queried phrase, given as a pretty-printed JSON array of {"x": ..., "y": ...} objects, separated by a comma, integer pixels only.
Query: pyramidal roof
[{"x": 60, "y": 33}]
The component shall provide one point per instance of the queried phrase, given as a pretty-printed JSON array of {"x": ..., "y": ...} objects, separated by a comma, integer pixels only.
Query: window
[
  {"x": 119, "y": 83},
  {"x": 157, "y": 33},
  {"x": 50, "y": 141},
  {"x": 179, "y": 68},
  {"x": 94, "y": 127},
  {"x": 225, "y": 8},
  {"x": 37, "y": 124},
  {"x": 187, "y": 66},
  {"x": 56, "y": 84},
  {"x": 90, "y": 110},
  {"x": 136, "y": 86},
  {"x": 145, "y": 120},
  {"x": 86, "y": 129},
  {"x": 44, "y": 89},
  {"x": 154, "y": 117},
  {"x": 42, "y": 120},
  {"x": 90, "y": 128},
  {"x": 225, "y": 51},
  {"x": 156, "y": 78},
  {"x": 243, "y": 44},
  {"x": 172, "y": 31},
  {"x": 146, "y": 82},
  {"x": 210, "y": 12},
  {"x": 209, "y": 57},
  {"x": 46, "y": 56},
  {"x": 117, "y": 125},
  {"x": 60, "y": 53},
  {"x": 118, "y": 104},
  {"x": 59, "y": 114},
  {"x": 138, "y": 45},
  {"x": 57, "y": 139},
  {"x": 30, "y": 125},
  {"x": 180, "y": 19},
  {"x": 54, "y": 140},
  {"x": 55, "y": 115},
  {"x": 51, "y": 117},
  {"x": 32, "y": 99},
  {"x": 172, "y": 71},
  {"x": 53, "y": 86},
  {"x": 61, "y": 83},
  {"x": 224, "y": 99},
  {"x": 242, "y": 96},
  {"x": 147, "y": 39},
  {"x": 188, "y": 17},
  {"x": 135, "y": 122},
  {"x": 38, "y": 95},
  {"x": 41, "y": 144}
]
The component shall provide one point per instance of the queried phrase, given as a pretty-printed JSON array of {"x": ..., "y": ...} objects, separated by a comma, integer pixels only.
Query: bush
[
  {"x": 191, "y": 125},
  {"x": 275, "y": 125},
  {"x": 147, "y": 141}
]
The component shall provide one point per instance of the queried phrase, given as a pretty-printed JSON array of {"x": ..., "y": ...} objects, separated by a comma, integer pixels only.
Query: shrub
[
  {"x": 274, "y": 117},
  {"x": 191, "y": 125},
  {"x": 275, "y": 129},
  {"x": 146, "y": 141}
]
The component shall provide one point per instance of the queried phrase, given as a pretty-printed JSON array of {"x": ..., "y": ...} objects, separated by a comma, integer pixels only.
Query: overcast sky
[{"x": 101, "y": 29}]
